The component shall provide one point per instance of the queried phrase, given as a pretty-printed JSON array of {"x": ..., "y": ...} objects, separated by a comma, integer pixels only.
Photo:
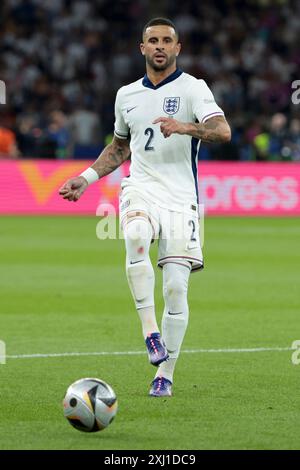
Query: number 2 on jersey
[
  {"x": 150, "y": 132},
  {"x": 193, "y": 238}
]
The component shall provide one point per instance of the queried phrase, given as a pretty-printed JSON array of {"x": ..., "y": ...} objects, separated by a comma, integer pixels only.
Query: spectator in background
[
  {"x": 34, "y": 139},
  {"x": 8, "y": 144},
  {"x": 86, "y": 132},
  {"x": 292, "y": 144},
  {"x": 261, "y": 143},
  {"x": 276, "y": 143},
  {"x": 63, "y": 54},
  {"x": 25, "y": 135},
  {"x": 278, "y": 135},
  {"x": 45, "y": 145},
  {"x": 59, "y": 133}
]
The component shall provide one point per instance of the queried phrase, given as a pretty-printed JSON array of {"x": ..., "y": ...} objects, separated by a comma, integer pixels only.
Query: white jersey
[{"x": 164, "y": 170}]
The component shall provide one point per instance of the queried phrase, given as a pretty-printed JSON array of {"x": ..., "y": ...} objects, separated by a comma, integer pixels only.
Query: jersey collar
[{"x": 147, "y": 83}]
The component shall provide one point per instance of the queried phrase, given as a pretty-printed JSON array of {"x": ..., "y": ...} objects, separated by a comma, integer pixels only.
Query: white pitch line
[{"x": 136, "y": 353}]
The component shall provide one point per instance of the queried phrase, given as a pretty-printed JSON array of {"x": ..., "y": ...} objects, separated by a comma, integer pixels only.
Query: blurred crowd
[{"x": 63, "y": 61}]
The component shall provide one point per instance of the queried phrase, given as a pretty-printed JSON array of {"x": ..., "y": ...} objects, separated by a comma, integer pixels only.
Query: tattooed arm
[
  {"x": 112, "y": 156},
  {"x": 215, "y": 129}
]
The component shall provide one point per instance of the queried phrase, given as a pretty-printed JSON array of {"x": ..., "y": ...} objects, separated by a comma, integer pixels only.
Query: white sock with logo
[
  {"x": 139, "y": 270},
  {"x": 176, "y": 314}
]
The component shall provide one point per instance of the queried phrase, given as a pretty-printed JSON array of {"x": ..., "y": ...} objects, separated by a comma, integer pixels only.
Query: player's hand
[
  {"x": 73, "y": 188},
  {"x": 170, "y": 126}
]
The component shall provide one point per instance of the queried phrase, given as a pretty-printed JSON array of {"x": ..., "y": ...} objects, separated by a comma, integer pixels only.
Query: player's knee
[
  {"x": 175, "y": 284},
  {"x": 137, "y": 236},
  {"x": 137, "y": 230},
  {"x": 174, "y": 289}
]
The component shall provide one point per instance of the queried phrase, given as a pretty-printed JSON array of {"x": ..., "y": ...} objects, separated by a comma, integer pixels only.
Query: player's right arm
[{"x": 112, "y": 156}]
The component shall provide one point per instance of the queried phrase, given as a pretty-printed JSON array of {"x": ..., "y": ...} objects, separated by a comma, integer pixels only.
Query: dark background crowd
[{"x": 63, "y": 61}]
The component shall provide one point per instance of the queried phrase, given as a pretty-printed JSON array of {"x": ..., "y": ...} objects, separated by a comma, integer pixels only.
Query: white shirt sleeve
[
  {"x": 121, "y": 128},
  {"x": 203, "y": 102}
]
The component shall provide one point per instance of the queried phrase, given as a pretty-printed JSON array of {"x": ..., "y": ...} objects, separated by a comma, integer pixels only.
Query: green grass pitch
[{"x": 63, "y": 290}]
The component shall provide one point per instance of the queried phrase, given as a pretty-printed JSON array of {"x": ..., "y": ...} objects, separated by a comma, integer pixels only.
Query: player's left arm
[{"x": 216, "y": 129}]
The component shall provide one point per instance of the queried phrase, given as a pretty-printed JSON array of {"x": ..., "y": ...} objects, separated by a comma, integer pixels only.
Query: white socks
[
  {"x": 140, "y": 275},
  {"x": 139, "y": 270},
  {"x": 148, "y": 320},
  {"x": 176, "y": 313}
]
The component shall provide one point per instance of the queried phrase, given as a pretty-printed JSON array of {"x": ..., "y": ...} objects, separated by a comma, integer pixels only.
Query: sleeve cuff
[
  {"x": 121, "y": 135},
  {"x": 210, "y": 115}
]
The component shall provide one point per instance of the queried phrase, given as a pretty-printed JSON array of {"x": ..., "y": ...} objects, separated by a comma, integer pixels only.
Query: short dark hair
[{"x": 158, "y": 22}]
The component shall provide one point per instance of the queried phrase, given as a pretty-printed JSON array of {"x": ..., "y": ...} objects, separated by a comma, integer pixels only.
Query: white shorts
[{"x": 177, "y": 232}]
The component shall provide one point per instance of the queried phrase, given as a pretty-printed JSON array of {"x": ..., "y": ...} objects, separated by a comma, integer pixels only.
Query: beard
[{"x": 160, "y": 67}]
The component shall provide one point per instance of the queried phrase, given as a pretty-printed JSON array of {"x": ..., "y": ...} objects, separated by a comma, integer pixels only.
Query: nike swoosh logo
[
  {"x": 177, "y": 313},
  {"x": 130, "y": 109},
  {"x": 134, "y": 262}
]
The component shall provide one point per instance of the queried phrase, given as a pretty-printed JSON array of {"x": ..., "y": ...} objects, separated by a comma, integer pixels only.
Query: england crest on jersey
[{"x": 171, "y": 105}]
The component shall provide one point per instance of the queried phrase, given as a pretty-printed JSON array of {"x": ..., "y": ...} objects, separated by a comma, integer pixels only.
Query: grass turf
[{"x": 63, "y": 290}]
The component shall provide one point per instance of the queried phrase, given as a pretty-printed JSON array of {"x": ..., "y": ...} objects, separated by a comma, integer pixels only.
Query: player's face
[{"x": 160, "y": 47}]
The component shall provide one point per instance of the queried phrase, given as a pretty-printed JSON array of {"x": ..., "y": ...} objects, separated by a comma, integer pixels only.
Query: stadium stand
[{"x": 63, "y": 61}]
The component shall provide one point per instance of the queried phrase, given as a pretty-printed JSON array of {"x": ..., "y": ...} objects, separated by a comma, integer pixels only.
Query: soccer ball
[{"x": 90, "y": 405}]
